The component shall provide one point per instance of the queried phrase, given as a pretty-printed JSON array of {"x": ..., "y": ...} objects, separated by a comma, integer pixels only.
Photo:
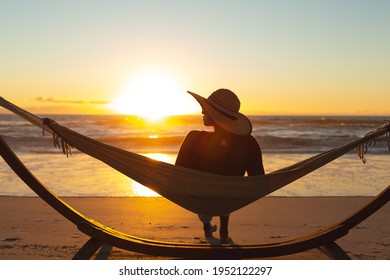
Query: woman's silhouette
[{"x": 229, "y": 150}]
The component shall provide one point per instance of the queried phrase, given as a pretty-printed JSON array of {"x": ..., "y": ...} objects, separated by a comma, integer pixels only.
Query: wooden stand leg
[
  {"x": 334, "y": 251},
  {"x": 88, "y": 249}
]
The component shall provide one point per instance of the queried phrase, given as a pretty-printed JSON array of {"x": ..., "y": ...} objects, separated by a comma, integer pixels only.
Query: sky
[{"x": 280, "y": 57}]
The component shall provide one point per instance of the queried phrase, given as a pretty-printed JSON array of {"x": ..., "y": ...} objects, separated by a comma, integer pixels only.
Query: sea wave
[{"x": 294, "y": 134}]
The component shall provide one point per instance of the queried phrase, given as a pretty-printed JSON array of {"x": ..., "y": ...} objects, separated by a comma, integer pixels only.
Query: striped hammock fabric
[{"x": 196, "y": 191}]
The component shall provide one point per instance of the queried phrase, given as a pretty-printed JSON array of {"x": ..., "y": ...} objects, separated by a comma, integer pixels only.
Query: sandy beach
[{"x": 30, "y": 229}]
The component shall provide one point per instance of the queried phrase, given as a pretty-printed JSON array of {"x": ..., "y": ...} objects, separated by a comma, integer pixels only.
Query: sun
[{"x": 154, "y": 95}]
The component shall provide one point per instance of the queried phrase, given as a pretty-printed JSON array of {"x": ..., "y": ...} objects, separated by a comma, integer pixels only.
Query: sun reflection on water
[{"x": 141, "y": 190}]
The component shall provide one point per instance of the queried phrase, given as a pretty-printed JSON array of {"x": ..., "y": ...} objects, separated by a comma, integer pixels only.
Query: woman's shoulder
[
  {"x": 246, "y": 138},
  {"x": 250, "y": 141},
  {"x": 252, "y": 138},
  {"x": 196, "y": 135}
]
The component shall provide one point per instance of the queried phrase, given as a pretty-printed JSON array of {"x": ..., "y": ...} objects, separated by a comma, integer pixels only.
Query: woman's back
[{"x": 221, "y": 153}]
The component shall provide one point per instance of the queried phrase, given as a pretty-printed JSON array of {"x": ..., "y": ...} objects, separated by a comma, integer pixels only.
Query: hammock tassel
[
  {"x": 58, "y": 141},
  {"x": 388, "y": 139},
  {"x": 363, "y": 149},
  {"x": 360, "y": 150}
]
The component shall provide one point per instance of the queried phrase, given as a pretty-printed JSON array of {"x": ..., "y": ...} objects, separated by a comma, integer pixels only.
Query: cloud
[{"x": 71, "y": 101}]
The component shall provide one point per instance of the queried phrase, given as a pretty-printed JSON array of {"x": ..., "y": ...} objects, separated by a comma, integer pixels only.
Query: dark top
[{"x": 221, "y": 153}]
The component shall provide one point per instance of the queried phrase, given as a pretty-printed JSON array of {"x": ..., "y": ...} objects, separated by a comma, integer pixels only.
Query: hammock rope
[
  {"x": 362, "y": 149},
  {"x": 197, "y": 191}
]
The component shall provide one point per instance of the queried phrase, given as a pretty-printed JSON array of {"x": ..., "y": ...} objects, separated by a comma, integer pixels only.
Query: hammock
[{"x": 196, "y": 191}]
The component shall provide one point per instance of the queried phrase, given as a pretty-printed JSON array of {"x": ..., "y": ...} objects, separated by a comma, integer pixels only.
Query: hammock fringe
[
  {"x": 58, "y": 141},
  {"x": 362, "y": 149},
  {"x": 388, "y": 140},
  {"x": 62, "y": 145}
]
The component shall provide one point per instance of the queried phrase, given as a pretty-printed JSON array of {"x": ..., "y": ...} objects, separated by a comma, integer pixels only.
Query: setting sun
[{"x": 153, "y": 95}]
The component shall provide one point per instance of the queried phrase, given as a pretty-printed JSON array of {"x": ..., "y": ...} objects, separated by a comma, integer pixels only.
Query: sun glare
[
  {"x": 141, "y": 190},
  {"x": 153, "y": 95}
]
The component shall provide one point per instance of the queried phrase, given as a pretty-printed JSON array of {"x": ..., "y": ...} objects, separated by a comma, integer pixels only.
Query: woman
[{"x": 229, "y": 150}]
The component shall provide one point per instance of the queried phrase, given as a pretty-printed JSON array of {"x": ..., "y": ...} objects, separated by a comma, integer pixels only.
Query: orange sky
[{"x": 280, "y": 57}]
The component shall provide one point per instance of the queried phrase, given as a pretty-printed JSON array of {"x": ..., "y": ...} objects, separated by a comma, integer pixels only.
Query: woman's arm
[
  {"x": 255, "y": 158},
  {"x": 185, "y": 156}
]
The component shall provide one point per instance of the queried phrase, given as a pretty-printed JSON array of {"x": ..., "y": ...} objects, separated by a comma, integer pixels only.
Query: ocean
[{"x": 284, "y": 140}]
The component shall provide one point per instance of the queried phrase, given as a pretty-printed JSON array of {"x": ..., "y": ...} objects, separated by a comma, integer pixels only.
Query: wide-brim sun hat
[{"x": 223, "y": 108}]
